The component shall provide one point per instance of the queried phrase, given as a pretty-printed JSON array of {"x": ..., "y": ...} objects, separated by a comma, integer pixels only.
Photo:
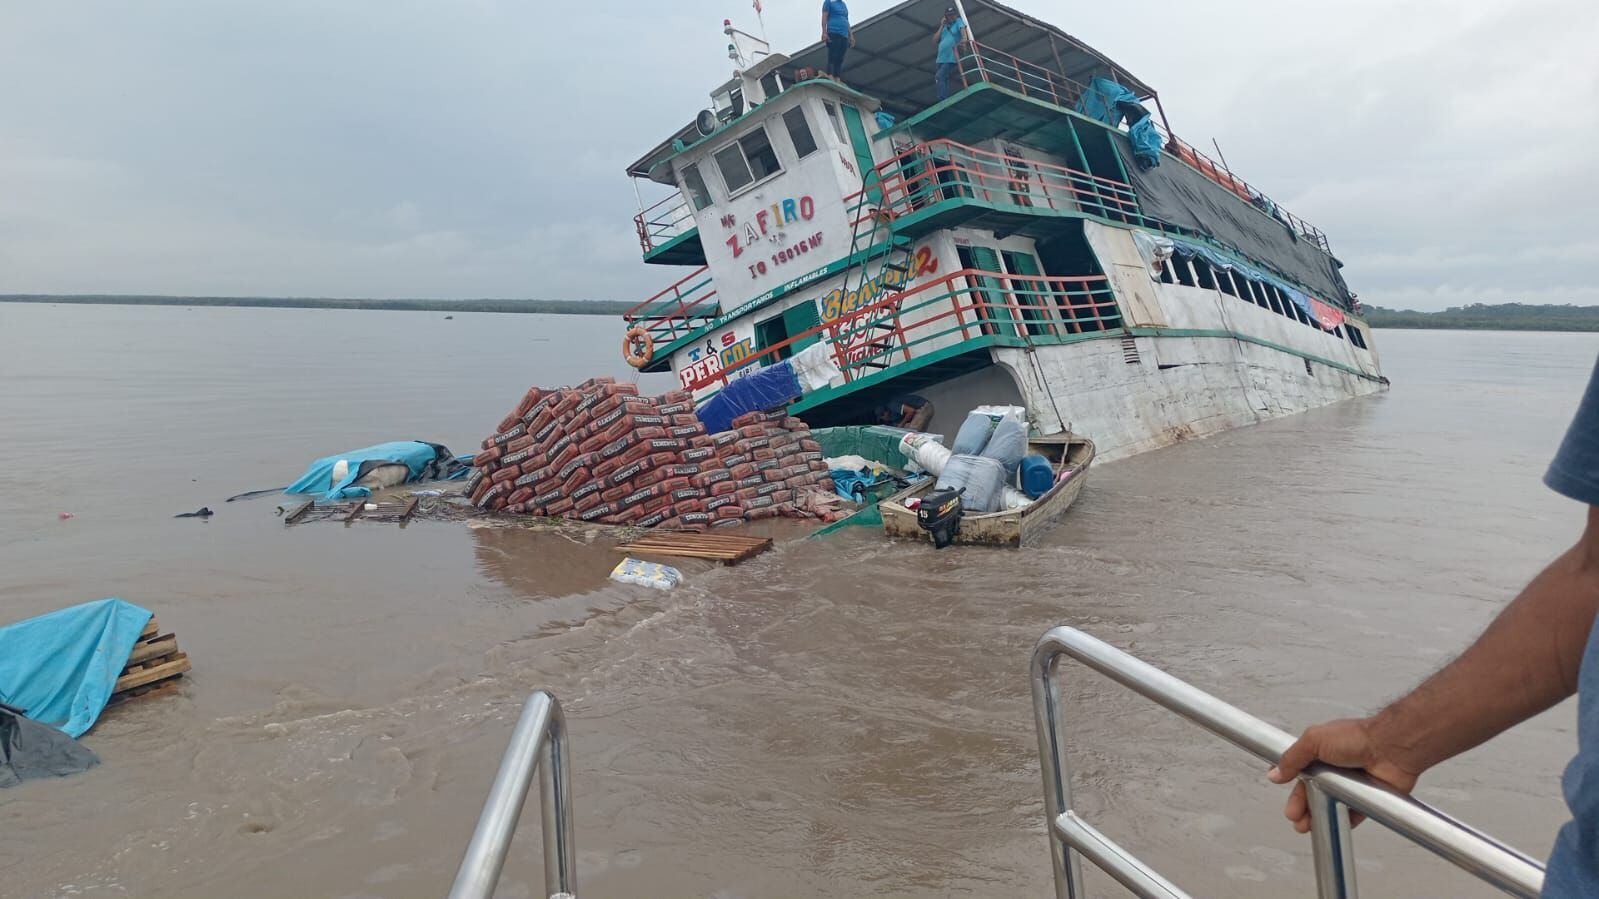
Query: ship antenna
[{"x": 761, "y": 21}]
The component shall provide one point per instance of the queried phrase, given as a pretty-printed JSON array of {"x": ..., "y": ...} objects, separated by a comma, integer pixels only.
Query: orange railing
[
  {"x": 984, "y": 63},
  {"x": 677, "y": 310},
  {"x": 965, "y": 305},
  {"x": 665, "y": 220},
  {"x": 928, "y": 172}
]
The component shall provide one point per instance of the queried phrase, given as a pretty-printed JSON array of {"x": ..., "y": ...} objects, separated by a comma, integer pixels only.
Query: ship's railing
[
  {"x": 871, "y": 328},
  {"x": 981, "y": 63},
  {"x": 658, "y": 224},
  {"x": 1333, "y": 792},
  {"x": 677, "y": 310},
  {"x": 1222, "y": 175},
  {"x": 538, "y": 745},
  {"x": 921, "y": 175}
]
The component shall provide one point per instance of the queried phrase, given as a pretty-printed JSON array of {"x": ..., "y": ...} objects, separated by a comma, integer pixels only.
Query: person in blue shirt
[
  {"x": 951, "y": 34},
  {"x": 836, "y": 35},
  {"x": 1542, "y": 648}
]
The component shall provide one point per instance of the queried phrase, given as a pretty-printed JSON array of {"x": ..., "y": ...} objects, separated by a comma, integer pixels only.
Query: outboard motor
[{"x": 940, "y": 515}]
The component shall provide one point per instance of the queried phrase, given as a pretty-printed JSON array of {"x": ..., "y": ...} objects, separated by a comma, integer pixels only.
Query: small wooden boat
[{"x": 1069, "y": 454}]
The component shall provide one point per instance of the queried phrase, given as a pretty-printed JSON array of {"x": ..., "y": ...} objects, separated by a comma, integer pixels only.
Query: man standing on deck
[
  {"x": 1541, "y": 649},
  {"x": 951, "y": 34},
  {"x": 836, "y": 35}
]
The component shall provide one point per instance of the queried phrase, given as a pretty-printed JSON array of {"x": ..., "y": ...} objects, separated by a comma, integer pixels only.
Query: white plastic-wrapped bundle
[
  {"x": 647, "y": 574},
  {"x": 925, "y": 452},
  {"x": 982, "y": 478}
]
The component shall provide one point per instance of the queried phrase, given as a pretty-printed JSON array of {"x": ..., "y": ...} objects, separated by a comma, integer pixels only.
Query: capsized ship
[{"x": 1039, "y": 238}]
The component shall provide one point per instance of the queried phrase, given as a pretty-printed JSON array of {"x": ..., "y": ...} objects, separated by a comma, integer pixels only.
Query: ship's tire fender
[{"x": 638, "y": 347}]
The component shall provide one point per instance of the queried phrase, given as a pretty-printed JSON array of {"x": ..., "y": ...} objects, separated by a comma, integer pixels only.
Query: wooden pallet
[
  {"x": 719, "y": 547},
  {"x": 399, "y": 511},
  {"x": 155, "y": 663}
]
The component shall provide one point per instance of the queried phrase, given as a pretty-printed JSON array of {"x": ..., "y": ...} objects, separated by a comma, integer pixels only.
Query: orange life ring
[{"x": 638, "y": 347}]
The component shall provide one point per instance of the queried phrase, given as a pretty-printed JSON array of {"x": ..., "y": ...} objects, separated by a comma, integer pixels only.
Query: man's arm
[
  {"x": 824, "y": 23},
  {"x": 1526, "y": 661}
]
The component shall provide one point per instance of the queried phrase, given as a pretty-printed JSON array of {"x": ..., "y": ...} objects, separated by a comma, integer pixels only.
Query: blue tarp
[
  {"x": 768, "y": 388},
  {"x": 1146, "y": 142},
  {"x": 1101, "y": 98},
  {"x": 60, "y": 668},
  {"x": 422, "y": 458}
]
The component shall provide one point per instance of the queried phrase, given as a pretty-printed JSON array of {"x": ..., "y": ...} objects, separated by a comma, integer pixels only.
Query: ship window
[
  {"x": 1166, "y": 269},
  {"x": 747, "y": 160},
  {"x": 735, "y": 171},
  {"x": 1275, "y": 297},
  {"x": 1356, "y": 337},
  {"x": 832, "y": 116},
  {"x": 1224, "y": 282},
  {"x": 799, "y": 131},
  {"x": 695, "y": 186},
  {"x": 1206, "y": 275},
  {"x": 1185, "y": 272},
  {"x": 758, "y": 150}
]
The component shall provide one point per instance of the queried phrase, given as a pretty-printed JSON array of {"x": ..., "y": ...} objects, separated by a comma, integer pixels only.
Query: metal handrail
[
  {"x": 968, "y": 302},
  {"x": 1332, "y": 791},
  {"x": 666, "y": 219},
  {"x": 539, "y": 742}
]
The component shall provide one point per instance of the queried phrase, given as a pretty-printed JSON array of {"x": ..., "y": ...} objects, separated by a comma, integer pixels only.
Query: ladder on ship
[{"x": 895, "y": 250}]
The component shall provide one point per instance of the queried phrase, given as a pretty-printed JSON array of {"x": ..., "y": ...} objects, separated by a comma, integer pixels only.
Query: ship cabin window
[
  {"x": 1275, "y": 297},
  {"x": 1185, "y": 272},
  {"x": 838, "y": 123},
  {"x": 746, "y": 161},
  {"x": 1205, "y": 274},
  {"x": 694, "y": 186},
  {"x": 1356, "y": 337},
  {"x": 1224, "y": 282},
  {"x": 1167, "y": 267},
  {"x": 799, "y": 131}
]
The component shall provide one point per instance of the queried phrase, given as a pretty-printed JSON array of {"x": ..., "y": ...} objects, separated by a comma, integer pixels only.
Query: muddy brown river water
[{"x": 839, "y": 717}]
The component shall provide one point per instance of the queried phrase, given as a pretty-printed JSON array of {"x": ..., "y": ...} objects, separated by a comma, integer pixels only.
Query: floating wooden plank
[
  {"x": 177, "y": 664},
  {"x": 153, "y": 664},
  {"x": 165, "y": 645},
  {"x": 299, "y": 513},
  {"x": 719, "y": 547}
]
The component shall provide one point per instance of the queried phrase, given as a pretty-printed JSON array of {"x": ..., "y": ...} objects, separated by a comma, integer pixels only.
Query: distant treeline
[
  {"x": 548, "y": 307},
  {"x": 1484, "y": 317}
]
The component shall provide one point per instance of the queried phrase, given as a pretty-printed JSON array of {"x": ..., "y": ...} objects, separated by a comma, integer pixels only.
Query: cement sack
[
  {"x": 815, "y": 367},
  {"x": 982, "y": 478},
  {"x": 1007, "y": 445}
]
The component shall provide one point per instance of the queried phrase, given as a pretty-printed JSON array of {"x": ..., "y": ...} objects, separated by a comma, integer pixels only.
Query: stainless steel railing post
[
  {"x": 538, "y": 742},
  {"x": 1057, "y": 775},
  {"x": 1330, "y": 844},
  {"x": 1334, "y": 791}
]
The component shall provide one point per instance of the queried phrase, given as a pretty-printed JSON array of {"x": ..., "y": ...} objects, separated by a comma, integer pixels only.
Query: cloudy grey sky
[{"x": 474, "y": 148}]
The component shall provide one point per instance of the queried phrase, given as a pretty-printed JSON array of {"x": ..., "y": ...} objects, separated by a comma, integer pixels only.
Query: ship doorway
[
  {"x": 1082, "y": 306},
  {"x": 795, "y": 321},
  {"x": 986, "y": 294}
]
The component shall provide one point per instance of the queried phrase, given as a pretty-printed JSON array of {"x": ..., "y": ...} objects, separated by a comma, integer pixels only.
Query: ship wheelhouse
[{"x": 956, "y": 246}]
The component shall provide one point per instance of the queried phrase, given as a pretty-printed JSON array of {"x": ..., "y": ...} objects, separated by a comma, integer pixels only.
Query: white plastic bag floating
[
  {"x": 647, "y": 574},
  {"x": 814, "y": 366}
]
